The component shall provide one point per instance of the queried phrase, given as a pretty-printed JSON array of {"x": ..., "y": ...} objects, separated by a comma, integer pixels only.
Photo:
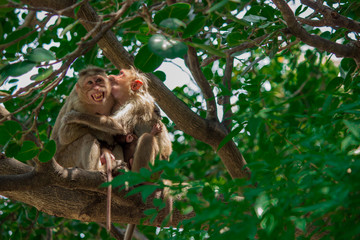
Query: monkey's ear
[
  {"x": 136, "y": 85},
  {"x": 77, "y": 87}
]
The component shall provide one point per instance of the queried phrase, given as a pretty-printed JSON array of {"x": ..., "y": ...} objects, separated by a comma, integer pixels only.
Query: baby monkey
[{"x": 136, "y": 113}]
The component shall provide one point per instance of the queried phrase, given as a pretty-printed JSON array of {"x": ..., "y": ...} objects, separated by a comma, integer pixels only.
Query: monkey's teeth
[{"x": 98, "y": 97}]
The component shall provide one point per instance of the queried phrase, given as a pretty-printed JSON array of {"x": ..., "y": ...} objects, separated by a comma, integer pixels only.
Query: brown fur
[{"x": 136, "y": 113}]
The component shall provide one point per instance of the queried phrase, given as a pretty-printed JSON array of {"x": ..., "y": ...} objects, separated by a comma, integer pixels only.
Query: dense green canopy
[{"x": 266, "y": 136}]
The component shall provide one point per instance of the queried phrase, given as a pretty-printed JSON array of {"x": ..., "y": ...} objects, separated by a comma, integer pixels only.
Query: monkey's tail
[
  {"x": 109, "y": 190},
  {"x": 129, "y": 231}
]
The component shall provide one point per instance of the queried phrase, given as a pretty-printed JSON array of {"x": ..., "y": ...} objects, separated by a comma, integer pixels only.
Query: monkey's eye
[
  {"x": 98, "y": 80},
  {"x": 89, "y": 82}
]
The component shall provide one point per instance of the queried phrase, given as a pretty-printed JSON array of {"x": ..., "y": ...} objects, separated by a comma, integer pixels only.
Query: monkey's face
[
  {"x": 120, "y": 84},
  {"x": 94, "y": 89}
]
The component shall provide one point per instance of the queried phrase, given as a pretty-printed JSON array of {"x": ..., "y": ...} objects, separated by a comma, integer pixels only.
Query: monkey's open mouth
[{"x": 98, "y": 97}]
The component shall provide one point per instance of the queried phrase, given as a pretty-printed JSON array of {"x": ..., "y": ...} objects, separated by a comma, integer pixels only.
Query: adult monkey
[
  {"x": 78, "y": 145},
  {"x": 138, "y": 113}
]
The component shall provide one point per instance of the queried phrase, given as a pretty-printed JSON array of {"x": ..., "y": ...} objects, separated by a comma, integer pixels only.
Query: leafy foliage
[{"x": 295, "y": 119}]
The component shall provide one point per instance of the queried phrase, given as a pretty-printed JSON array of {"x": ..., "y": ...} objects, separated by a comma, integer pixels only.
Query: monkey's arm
[
  {"x": 68, "y": 133},
  {"x": 100, "y": 122}
]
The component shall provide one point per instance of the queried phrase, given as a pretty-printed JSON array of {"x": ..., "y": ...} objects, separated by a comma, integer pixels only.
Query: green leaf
[
  {"x": 17, "y": 34},
  {"x": 12, "y": 149},
  {"x": 28, "y": 151},
  {"x": 234, "y": 38},
  {"x": 334, "y": 84},
  {"x": 161, "y": 75},
  {"x": 172, "y": 23},
  {"x": 194, "y": 27},
  {"x": 177, "y": 10},
  {"x": 48, "y": 152},
  {"x": 348, "y": 64},
  {"x": 43, "y": 74},
  {"x": 353, "y": 127},
  {"x": 167, "y": 48},
  {"x": 9, "y": 130},
  {"x": 68, "y": 28},
  {"x": 144, "y": 38},
  {"x": 145, "y": 190},
  {"x": 217, "y": 6},
  {"x": 253, "y": 18},
  {"x": 146, "y": 60},
  {"x": 228, "y": 138},
  {"x": 18, "y": 69},
  {"x": 211, "y": 50},
  {"x": 39, "y": 55}
]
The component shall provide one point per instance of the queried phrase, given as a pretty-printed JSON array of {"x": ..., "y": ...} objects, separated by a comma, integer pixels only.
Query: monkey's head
[
  {"x": 128, "y": 83},
  {"x": 93, "y": 86}
]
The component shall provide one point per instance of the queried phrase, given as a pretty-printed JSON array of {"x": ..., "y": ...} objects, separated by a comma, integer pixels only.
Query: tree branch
[
  {"x": 239, "y": 48},
  {"x": 88, "y": 203},
  {"x": 227, "y": 113},
  {"x": 194, "y": 66},
  {"x": 332, "y": 18},
  {"x": 340, "y": 50}
]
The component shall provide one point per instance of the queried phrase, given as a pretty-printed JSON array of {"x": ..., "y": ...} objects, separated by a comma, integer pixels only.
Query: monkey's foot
[{"x": 119, "y": 165}]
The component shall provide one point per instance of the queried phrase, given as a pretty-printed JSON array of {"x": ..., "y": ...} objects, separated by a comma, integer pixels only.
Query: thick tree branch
[
  {"x": 194, "y": 66},
  {"x": 331, "y": 17},
  {"x": 340, "y": 50},
  {"x": 87, "y": 203}
]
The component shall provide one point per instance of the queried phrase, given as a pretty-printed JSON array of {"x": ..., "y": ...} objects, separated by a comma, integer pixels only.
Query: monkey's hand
[
  {"x": 102, "y": 157},
  {"x": 130, "y": 137},
  {"x": 157, "y": 128}
]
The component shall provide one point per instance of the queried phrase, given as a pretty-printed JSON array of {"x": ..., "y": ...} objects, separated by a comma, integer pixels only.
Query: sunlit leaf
[
  {"x": 18, "y": 69},
  {"x": 40, "y": 55},
  {"x": 167, "y": 48},
  {"x": 172, "y": 23},
  {"x": 68, "y": 28},
  {"x": 43, "y": 74},
  {"x": 146, "y": 60},
  {"x": 253, "y": 18}
]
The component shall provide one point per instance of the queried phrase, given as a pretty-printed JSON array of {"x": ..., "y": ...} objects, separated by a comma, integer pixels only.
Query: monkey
[
  {"x": 136, "y": 113},
  {"x": 78, "y": 145}
]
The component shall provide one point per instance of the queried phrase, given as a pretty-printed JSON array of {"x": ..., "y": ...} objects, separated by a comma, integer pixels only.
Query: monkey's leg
[
  {"x": 83, "y": 152},
  {"x": 146, "y": 150}
]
